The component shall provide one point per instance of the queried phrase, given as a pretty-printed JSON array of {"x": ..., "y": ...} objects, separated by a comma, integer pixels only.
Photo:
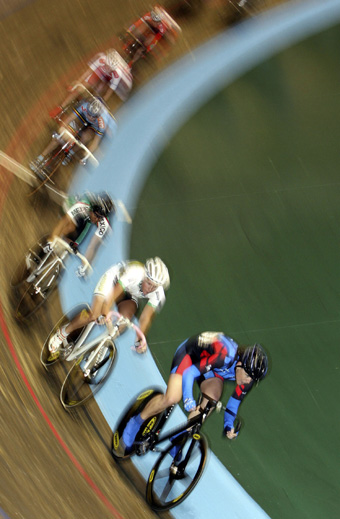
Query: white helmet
[
  {"x": 95, "y": 108},
  {"x": 157, "y": 272}
]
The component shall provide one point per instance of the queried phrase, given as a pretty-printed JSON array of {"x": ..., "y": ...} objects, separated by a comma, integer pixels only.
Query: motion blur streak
[{"x": 108, "y": 505}]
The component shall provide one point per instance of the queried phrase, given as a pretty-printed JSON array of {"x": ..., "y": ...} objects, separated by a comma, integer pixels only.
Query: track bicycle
[
  {"x": 93, "y": 359},
  {"x": 181, "y": 463},
  {"x": 38, "y": 273}
]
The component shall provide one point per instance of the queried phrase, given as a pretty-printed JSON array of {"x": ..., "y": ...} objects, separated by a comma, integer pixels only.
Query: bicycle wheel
[
  {"x": 80, "y": 386},
  {"x": 48, "y": 168},
  {"x": 28, "y": 264},
  {"x": 118, "y": 449},
  {"x": 37, "y": 293},
  {"x": 171, "y": 480},
  {"x": 47, "y": 358}
]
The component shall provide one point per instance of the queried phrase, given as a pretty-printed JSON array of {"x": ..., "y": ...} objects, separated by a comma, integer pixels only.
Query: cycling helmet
[
  {"x": 95, "y": 108},
  {"x": 255, "y": 362},
  {"x": 102, "y": 204},
  {"x": 112, "y": 59},
  {"x": 163, "y": 16},
  {"x": 157, "y": 272},
  {"x": 155, "y": 15}
]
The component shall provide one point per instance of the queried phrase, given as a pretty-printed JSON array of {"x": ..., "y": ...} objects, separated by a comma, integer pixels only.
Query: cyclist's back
[{"x": 78, "y": 209}]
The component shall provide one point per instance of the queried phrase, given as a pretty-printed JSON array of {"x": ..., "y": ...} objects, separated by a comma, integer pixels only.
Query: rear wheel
[
  {"x": 119, "y": 450},
  {"x": 48, "y": 358},
  {"x": 81, "y": 384},
  {"x": 172, "y": 479}
]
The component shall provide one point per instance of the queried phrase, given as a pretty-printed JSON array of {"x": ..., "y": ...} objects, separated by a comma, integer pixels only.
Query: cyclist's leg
[
  {"x": 161, "y": 402},
  {"x": 85, "y": 318},
  {"x": 156, "y": 405},
  {"x": 211, "y": 386},
  {"x": 127, "y": 308}
]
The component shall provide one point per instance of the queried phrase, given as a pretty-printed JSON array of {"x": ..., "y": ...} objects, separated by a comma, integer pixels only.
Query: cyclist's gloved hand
[
  {"x": 101, "y": 320},
  {"x": 81, "y": 271},
  {"x": 140, "y": 346},
  {"x": 74, "y": 246},
  {"x": 48, "y": 247},
  {"x": 189, "y": 404},
  {"x": 230, "y": 433}
]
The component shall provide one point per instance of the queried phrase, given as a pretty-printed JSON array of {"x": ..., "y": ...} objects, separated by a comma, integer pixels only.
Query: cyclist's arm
[
  {"x": 115, "y": 295},
  {"x": 232, "y": 407},
  {"x": 103, "y": 228},
  {"x": 91, "y": 250},
  {"x": 146, "y": 318},
  {"x": 206, "y": 364},
  {"x": 189, "y": 377}
]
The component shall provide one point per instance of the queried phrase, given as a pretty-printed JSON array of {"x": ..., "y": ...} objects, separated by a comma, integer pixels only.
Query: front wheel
[
  {"x": 87, "y": 376},
  {"x": 172, "y": 479},
  {"x": 46, "y": 171},
  {"x": 29, "y": 263},
  {"x": 36, "y": 293}
]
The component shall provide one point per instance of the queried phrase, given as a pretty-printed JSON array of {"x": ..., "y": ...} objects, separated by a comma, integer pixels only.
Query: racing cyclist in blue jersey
[
  {"x": 89, "y": 121},
  {"x": 209, "y": 358},
  {"x": 81, "y": 213},
  {"x": 124, "y": 284}
]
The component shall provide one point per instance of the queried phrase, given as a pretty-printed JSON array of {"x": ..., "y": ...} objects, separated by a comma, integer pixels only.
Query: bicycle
[
  {"x": 93, "y": 359},
  {"x": 181, "y": 463},
  {"x": 38, "y": 274}
]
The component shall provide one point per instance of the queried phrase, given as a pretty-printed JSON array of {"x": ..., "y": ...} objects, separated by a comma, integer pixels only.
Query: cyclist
[
  {"x": 124, "y": 284},
  {"x": 151, "y": 28},
  {"x": 80, "y": 214},
  {"x": 108, "y": 72},
  {"x": 89, "y": 122},
  {"x": 210, "y": 358}
]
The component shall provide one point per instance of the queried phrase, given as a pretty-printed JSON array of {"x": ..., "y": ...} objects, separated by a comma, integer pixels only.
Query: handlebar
[
  {"x": 124, "y": 321},
  {"x": 218, "y": 407},
  {"x": 59, "y": 242}
]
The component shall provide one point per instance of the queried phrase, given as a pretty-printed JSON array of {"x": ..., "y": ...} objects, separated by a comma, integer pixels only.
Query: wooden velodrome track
[{"x": 53, "y": 464}]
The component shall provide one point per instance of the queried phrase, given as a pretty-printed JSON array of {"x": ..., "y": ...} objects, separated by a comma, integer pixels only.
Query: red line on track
[{"x": 24, "y": 132}]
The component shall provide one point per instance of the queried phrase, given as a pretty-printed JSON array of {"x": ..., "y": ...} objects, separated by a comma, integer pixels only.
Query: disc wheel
[
  {"x": 47, "y": 358},
  {"x": 119, "y": 449},
  {"x": 35, "y": 294},
  {"x": 172, "y": 479},
  {"x": 79, "y": 387}
]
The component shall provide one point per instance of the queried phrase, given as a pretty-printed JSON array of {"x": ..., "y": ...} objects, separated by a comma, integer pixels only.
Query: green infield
[{"x": 243, "y": 205}]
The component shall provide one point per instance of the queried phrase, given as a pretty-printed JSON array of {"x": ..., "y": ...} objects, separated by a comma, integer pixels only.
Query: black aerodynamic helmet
[
  {"x": 102, "y": 204},
  {"x": 255, "y": 362}
]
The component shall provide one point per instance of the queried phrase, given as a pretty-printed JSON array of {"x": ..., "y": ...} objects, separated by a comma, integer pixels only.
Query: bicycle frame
[
  {"x": 82, "y": 347},
  {"x": 45, "y": 267},
  {"x": 189, "y": 428}
]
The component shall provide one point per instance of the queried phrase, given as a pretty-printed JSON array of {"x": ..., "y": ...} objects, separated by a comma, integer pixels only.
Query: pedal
[{"x": 142, "y": 447}]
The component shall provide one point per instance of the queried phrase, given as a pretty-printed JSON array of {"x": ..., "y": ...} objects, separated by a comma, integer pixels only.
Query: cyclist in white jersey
[{"x": 124, "y": 284}]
